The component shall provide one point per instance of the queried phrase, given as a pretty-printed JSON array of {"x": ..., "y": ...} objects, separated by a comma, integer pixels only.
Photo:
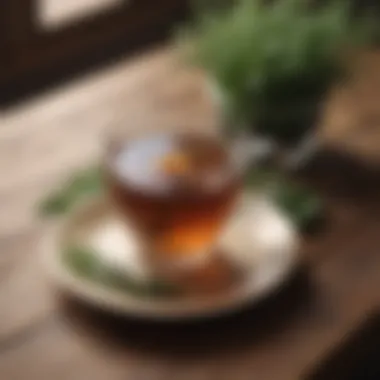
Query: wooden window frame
[{"x": 33, "y": 57}]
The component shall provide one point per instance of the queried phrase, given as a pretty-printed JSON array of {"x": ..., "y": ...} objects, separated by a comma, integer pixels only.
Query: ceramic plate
[{"x": 258, "y": 239}]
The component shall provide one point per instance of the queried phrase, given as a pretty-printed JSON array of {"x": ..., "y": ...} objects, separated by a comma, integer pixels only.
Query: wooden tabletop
[{"x": 43, "y": 336}]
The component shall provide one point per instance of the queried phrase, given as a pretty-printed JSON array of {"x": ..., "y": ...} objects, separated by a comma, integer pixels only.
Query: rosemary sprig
[
  {"x": 86, "y": 263},
  {"x": 301, "y": 204},
  {"x": 85, "y": 183}
]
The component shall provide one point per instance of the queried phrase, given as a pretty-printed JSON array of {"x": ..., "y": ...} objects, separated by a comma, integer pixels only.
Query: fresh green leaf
[
  {"x": 300, "y": 204},
  {"x": 85, "y": 262},
  {"x": 82, "y": 184}
]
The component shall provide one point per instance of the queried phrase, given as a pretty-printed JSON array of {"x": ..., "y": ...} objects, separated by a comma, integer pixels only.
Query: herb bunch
[{"x": 261, "y": 56}]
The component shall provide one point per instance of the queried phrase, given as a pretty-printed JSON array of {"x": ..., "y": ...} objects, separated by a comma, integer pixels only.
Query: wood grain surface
[{"x": 45, "y": 336}]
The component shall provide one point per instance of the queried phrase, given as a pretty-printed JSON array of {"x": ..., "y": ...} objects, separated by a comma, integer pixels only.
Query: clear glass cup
[{"x": 178, "y": 189}]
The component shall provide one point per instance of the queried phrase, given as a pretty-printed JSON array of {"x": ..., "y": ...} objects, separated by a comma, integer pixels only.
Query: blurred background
[
  {"x": 70, "y": 71},
  {"x": 43, "y": 41}
]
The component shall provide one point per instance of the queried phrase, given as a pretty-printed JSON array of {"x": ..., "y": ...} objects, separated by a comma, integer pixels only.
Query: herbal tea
[{"x": 177, "y": 189}]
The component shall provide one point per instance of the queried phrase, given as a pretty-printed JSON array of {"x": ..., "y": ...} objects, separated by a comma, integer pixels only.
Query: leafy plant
[{"x": 272, "y": 60}]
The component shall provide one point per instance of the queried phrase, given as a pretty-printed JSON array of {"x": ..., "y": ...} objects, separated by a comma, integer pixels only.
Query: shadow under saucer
[{"x": 195, "y": 338}]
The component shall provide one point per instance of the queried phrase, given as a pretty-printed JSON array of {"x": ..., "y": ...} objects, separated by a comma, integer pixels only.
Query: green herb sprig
[
  {"x": 301, "y": 204},
  {"x": 85, "y": 263},
  {"x": 85, "y": 183}
]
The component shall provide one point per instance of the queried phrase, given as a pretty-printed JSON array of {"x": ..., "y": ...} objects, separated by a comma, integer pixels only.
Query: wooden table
[{"x": 285, "y": 338}]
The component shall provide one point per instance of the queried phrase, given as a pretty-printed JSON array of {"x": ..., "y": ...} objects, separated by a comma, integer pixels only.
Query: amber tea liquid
[{"x": 177, "y": 189}]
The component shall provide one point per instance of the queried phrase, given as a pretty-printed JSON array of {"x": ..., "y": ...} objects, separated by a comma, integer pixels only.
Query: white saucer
[{"x": 258, "y": 238}]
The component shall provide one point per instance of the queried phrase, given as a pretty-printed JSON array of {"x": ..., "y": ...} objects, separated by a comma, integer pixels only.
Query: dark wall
[{"x": 33, "y": 59}]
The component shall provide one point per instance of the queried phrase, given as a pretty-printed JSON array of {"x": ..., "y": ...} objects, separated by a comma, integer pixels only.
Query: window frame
[{"x": 33, "y": 57}]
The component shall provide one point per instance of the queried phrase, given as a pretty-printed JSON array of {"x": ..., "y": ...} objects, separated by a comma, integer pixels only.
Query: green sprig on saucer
[
  {"x": 85, "y": 263},
  {"x": 301, "y": 204},
  {"x": 82, "y": 184}
]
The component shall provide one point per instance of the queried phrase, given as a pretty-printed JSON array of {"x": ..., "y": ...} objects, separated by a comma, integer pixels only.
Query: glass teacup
[{"x": 178, "y": 189}]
